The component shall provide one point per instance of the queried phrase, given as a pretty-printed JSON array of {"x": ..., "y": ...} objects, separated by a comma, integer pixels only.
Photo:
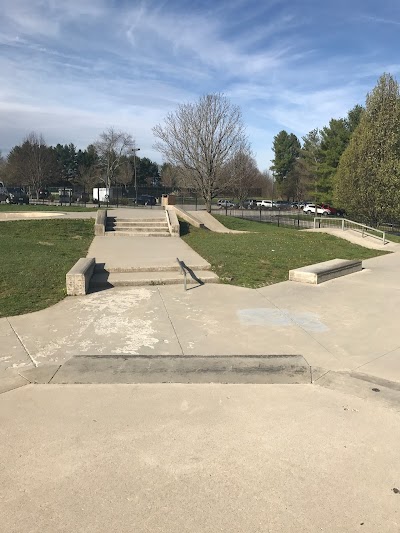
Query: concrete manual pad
[
  {"x": 183, "y": 369},
  {"x": 197, "y": 459},
  {"x": 140, "y": 252}
]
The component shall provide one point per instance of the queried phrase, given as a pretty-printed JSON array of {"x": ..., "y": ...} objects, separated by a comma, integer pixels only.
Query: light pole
[{"x": 134, "y": 150}]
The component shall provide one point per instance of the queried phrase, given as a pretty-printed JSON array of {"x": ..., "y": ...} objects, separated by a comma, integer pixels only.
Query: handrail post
[
  {"x": 342, "y": 224},
  {"x": 383, "y": 237}
]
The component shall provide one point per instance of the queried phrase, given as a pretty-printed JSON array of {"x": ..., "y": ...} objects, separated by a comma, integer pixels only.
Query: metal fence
[{"x": 297, "y": 219}]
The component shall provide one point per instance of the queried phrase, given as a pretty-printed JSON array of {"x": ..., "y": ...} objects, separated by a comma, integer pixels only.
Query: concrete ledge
[
  {"x": 100, "y": 222},
  {"x": 173, "y": 222},
  {"x": 184, "y": 369},
  {"x": 320, "y": 272},
  {"x": 188, "y": 217},
  {"x": 78, "y": 278}
]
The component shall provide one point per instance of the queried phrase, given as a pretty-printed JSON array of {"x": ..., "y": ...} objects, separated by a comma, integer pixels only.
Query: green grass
[
  {"x": 39, "y": 207},
  {"x": 35, "y": 256},
  {"x": 266, "y": 255}
]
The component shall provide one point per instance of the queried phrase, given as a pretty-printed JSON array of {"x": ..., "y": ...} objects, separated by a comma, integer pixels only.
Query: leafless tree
[
  {"x": 33, "y": 164},
  {"x": 242, "y": 175},
  {"x": 125, "y": 173},
  {"x": 267, "y": 184},
  {"x": 202, "y": 138},
  {"x": 112, "y": 147}
]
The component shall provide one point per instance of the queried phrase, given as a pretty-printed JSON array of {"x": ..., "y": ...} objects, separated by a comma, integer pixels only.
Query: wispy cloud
[{"x": 70, "y": 69}]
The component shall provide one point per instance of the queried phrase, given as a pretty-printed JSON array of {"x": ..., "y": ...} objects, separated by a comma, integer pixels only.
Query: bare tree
[
  {"x": 242, "y": 175},
  {"x": 33, "y": 164},
  {"x": 125, "y": 173},
  {"x": 202, "y": 138},
  {"x": 112, "y": 148}
]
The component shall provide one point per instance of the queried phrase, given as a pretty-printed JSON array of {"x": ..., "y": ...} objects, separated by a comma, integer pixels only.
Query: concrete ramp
[
  {"x": 212, "y": 223},
  {"x": 356, "y": 237}
]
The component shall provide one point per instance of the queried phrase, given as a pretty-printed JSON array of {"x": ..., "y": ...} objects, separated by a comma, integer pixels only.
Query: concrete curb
[{"x": 291, "y": 369}]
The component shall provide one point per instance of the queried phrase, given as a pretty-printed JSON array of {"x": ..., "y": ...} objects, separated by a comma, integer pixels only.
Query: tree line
[
  {"x": 353, "y": 162},
  {"x": 111, "y": 160}
]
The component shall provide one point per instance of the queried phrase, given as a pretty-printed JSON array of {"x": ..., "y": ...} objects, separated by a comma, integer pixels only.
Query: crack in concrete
[
  {"x": 34, "y": 362},
  {"x": 170, "y": 321}
]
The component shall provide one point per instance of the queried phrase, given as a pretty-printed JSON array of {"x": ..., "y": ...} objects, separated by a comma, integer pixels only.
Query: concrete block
[
  {"x": 78, "y": 278},
  {"x": 100, "y": 222},
  {"x": 173, "y": 222},
  {"x": 320, "y": 272}
]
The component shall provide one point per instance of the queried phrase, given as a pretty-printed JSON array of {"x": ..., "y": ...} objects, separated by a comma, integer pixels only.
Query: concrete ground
[
  {"x": 308, "y": 457},
  {"x": 350, "y": 323},
  {"x": 197, "y": 458}
]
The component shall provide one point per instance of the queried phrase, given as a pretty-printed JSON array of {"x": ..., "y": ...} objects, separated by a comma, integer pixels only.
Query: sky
[{"x": 69, "y": 69}]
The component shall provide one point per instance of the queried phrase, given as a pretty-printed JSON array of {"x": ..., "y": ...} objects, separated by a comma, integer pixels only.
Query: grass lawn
[
  {"x": 266, "y": 255},
  {"x": 35, "y": 256},
  {"x": 66, "y": 208}
]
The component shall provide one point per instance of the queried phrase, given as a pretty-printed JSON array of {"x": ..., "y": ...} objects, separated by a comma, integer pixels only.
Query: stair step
[
  {"x": 137, "y": 228},
  {"x": 99, "y": 269},
  {"x": 150, "y": 223},
  {"x": 137, "y": 234},
  {"x": 136, "y": 220},
  {"x": 131, "y": 279}
]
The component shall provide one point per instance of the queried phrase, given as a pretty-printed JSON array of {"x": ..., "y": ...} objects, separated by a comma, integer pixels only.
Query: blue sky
[{"x": 71, "y": 68}]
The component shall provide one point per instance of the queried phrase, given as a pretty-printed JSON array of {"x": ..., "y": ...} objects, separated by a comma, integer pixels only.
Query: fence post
[
  {"x": 342, "y": 224},
  {"x": 260, "y": 213},
  {"x": 383, "y": 237},
  {"x": 315, "y": 220}
]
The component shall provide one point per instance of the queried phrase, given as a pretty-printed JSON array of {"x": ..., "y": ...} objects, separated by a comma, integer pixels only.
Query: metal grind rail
[
  {"x": 344, "y": 224},
  {"x": 183, "y": 268}
]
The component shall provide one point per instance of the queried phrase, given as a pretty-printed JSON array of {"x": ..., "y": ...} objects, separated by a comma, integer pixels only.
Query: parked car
[
  {"x": 16, "y": 195},
  {"x": 225, "y": 204},
  {"x": 266, "y": 204},
  {"x": 328, "y": 207},
  {"x": 282, "y": 204},
  {"x": 43, "y": 193},
  {"x": 146, "y": 199},
  {"x": 310, "y": 209},
  {"x": 248, "y": 204}
]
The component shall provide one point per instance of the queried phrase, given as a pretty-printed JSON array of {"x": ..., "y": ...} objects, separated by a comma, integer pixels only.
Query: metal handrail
[
  {"x": 348, "y": 224},
  {"x": 183, "y": 271}
]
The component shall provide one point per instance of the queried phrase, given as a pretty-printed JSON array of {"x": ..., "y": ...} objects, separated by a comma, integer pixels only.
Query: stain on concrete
[{"x": 273, "y": 317}]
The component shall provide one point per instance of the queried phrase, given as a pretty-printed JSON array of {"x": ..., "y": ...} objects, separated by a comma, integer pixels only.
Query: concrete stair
[
  {"x": 144, "y": 227},
  {"x": 143, "y": 276}
]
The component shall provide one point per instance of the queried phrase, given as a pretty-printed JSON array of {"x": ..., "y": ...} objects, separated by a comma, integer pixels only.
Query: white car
[
  {"x": 309, "y": 209},
  {"x": 266, "y": 204}
]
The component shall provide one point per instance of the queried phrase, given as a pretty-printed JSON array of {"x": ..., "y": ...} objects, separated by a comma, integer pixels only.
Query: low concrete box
[
  {"x": 78, "y": 278},
  {"x": 100, "y": 222},
  {"x": 320, "y": 272}
]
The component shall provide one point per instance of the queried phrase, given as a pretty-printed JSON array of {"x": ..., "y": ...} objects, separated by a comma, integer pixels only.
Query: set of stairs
[
  {"x": 141, "y": 276},
  {"x": 144, "y": 227}
]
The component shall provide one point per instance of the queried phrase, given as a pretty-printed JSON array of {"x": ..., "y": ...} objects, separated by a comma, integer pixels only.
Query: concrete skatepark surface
[
  {"x": 196, "y": 459},
  {"x": 205, "y": 457}
]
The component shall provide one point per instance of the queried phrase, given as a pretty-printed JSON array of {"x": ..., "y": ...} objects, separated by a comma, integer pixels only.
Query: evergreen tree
[
  {"x": 286, "y": 149},
  {"x": 368, "y": 176}
]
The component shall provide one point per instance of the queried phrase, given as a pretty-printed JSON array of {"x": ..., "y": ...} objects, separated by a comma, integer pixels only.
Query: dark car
[
  {"x": 43, "y": 193},
  {"x": 249, "y": 204},
  {"x": 146, "y": 199},
  {"x": 16, "y": 195}
]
